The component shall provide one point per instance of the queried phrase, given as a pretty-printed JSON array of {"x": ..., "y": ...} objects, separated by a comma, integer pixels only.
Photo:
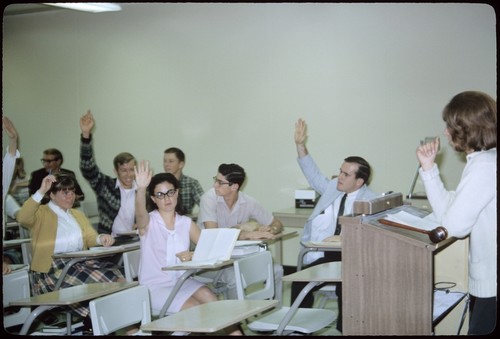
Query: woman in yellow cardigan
[{"x": 58, "y": 228}]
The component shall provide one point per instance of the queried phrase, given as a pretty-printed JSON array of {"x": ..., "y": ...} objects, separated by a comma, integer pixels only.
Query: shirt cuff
[
  {"x": 85, "y": 140},
  {"x": 37, "y": 196},
  {"x": 98, "y": 239},
  {"x": 429, "y": 174}
]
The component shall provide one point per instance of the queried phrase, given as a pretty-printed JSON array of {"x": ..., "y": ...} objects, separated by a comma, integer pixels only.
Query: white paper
[
  {"x": 247, "y": 242},
  {"x": 443, "y": 301},
  {"x": 427, "y": 223},
  {"x": 215, "y": 244}
]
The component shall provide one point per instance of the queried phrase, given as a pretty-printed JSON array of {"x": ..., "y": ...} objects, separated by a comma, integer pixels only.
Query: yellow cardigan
[{"x": 42, "y": 222}]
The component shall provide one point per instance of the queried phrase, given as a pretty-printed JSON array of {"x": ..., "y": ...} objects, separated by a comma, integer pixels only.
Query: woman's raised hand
[{"x": 143, "y": 174}]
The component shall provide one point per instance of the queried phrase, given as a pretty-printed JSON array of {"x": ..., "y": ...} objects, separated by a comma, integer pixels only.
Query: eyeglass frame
[
  {"x": 220, "y": 182},
  {"x": 67, "y": 190},
  {"x": 161, "y": 195}
]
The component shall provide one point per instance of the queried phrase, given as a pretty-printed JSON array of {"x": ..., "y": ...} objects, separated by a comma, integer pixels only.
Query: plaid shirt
[{"x": 190, "y": 191}]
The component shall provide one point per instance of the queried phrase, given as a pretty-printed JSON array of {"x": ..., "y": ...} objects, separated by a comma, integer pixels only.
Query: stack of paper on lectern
[
  {"x": 427, "y": 223},
  {"x": 215, "y": 245}
]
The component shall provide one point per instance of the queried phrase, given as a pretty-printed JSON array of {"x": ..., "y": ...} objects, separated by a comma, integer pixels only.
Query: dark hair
[
  {"x": 364, "y": 170},
  {"x": 471, "y": 121},
  {"x": 63, "y": 182},
  {"x": 158, "y": 179},
  {"x": 178, "y": 153},
  {"x": 233, "y": 173},
  {"x": 53, "y": 151},
  {"x": 122, "y": 158},
  {"x": 19, "y": 171}
]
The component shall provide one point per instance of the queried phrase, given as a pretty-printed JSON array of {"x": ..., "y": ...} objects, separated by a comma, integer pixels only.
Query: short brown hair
[
  {"x": 471, "y": 121},
  {"x": 122, "y": 158}
]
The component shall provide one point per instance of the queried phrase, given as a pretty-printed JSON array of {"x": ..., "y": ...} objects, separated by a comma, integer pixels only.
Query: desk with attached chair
[{"x": 64, "y": 297}]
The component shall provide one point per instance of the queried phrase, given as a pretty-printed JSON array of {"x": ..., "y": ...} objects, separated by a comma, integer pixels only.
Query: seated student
[
  {"x": 165, "y": 236},
  {"x": 190, "y": 189},
  {"x": 115, "y": 196},
  {"x": 337, "y": 198},
  {"x": 52, "y": 161},
  {"x": 56, "y": 227},
  {"x": 225, "y": 206}
]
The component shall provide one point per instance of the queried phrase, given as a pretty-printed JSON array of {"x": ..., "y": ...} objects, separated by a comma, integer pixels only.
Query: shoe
[
  {"x": 49, "y": 319},
  {"x": 87, "y": 326}
]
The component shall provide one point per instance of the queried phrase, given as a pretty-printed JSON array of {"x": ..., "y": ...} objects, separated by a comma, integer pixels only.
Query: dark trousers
[
  {"x": 309, "y": 299},
  {"x": 483, "y": 315}
]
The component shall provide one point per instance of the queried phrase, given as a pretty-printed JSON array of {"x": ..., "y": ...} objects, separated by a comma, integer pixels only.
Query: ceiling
[
  {"x": 26, "y": 8},
  {"x": 16, "y": 9}
]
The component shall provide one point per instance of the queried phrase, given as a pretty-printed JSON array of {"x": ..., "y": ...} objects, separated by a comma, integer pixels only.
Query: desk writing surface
[
  {"x": 99, "y": 251},
  {"x": 293, "y": 217},
  {"x": 210, "y": 317},
  {"x": 194, "y": 266},
  {"x": 322, "y": 244},
  {"x": 74, "y": 294},
  {"x": 280, "y": 236},
  {"x": 327, "y": 272}
]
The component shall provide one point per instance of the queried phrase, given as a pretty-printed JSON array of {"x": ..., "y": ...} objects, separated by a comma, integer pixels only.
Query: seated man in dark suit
[{"x": 52, "y": 161}]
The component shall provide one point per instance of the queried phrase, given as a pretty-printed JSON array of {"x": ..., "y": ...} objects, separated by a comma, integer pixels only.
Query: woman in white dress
[{"x": 165, "y": 239}]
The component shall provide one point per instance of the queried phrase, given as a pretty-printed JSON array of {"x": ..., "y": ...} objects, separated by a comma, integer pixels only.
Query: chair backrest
[
  {"x": 27, "y": 253},
  {"x": 131, "y": 261},
  {"x": 90, "y": 208},
  {"x": 119, "y": 310},
  {"x": 255, "y": 276},
  {"x": 16, "y": 285}
]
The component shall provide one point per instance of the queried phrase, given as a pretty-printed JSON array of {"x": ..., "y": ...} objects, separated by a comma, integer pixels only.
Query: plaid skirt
[{"x": 85, "y": 272}]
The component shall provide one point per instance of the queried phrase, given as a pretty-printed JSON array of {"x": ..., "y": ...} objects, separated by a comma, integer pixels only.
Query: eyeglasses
[
  {"x": 220, "y": 182},
  {"x": 161, "y": 195},
  {"x": 48, "y": 161},
  {"x": 68, "y": 191}
]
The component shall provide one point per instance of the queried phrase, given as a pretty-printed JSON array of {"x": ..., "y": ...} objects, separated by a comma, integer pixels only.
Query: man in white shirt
[
  {"x": 225, "y": 206},
  {"x": 322, "y": 224}
]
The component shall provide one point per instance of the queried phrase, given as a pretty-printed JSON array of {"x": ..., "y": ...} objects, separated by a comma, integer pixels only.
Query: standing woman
[
  {"x": 165, "y": 239},
  {"x": 58, "y": 228},
  {"x": 471, "y": 210}
]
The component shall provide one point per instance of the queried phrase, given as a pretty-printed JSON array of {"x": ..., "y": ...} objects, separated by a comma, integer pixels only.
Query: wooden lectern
[{"x": 387, "y": 276}]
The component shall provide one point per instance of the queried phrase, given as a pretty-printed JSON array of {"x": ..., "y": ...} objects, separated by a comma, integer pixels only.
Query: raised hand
[
  {"x": 300, "y": 132},
  {"x": 86, "y": 124},
  {"x": 47, "y": 183},
  {"x": 426, "y": 154},
  {"x": 143, "y": 174}
]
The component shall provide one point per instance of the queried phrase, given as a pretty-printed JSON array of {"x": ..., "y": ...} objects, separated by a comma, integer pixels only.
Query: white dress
[{"x": 158, "y": 248}]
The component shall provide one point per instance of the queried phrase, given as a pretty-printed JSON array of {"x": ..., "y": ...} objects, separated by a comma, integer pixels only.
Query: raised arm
[
  {"x": 8, "y": 126},
  {"x": 142, "y": 178},
  {"x": 301, "y": 137}
]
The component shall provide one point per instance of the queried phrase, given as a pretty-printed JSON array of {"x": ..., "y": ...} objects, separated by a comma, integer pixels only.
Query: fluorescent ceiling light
[{"x": 94, "y": 7}]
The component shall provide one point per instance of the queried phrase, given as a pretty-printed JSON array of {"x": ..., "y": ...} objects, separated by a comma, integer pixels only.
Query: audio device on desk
[{"x": 305, "y": 198}]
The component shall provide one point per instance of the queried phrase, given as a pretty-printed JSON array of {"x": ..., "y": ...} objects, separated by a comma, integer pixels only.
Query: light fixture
[{"x": 93, "y": 7}]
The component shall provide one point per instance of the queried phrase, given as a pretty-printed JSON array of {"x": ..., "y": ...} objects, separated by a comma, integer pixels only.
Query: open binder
[{"x": 214, "y": 246}]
